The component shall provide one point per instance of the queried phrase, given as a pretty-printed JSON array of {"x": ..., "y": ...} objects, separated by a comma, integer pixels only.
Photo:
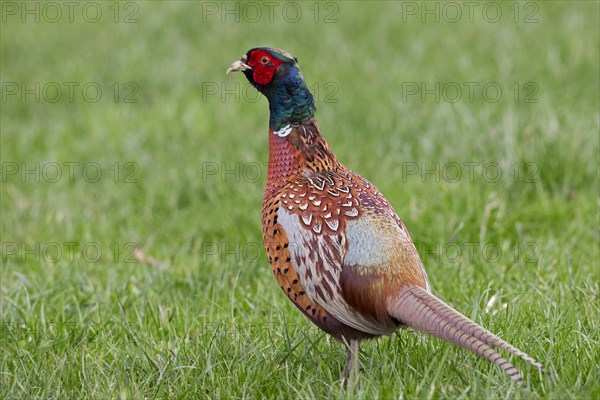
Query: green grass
[{"x": 205, "y": 318}]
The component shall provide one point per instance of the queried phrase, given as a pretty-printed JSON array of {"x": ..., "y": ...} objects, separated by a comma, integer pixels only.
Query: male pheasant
[{"x": 337, "y": 248}]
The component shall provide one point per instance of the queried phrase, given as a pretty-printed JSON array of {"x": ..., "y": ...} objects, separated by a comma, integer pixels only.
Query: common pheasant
[{"x": 337, "y": 248}]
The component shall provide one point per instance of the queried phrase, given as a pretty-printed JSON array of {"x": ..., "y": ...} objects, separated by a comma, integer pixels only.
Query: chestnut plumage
[{"x": 336, "y": 246}]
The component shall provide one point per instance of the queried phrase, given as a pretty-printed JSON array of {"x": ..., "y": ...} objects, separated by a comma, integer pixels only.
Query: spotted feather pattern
[
  {"x": 316, "y": 198},
  {"x": 345, "y": 259},
  {"x": 318, "y": 260},
  {"x": 323, "y": 202},
  {"x": 336, "y": 247},
  {"x": 279, "y": 251}
]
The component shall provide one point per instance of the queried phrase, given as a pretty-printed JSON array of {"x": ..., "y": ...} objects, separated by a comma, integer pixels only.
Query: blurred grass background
[{"x": 198, "y": 315}]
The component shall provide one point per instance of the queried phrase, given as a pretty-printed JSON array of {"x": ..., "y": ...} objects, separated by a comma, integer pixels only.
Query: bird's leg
[{"x": 352, "y": 367}]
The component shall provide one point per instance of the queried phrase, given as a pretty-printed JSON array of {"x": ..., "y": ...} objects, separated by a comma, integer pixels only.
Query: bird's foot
[{"x": 350, "y": 371}]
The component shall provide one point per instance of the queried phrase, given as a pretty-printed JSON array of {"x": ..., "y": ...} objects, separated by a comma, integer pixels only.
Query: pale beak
[{"x": 238, "y": 66}]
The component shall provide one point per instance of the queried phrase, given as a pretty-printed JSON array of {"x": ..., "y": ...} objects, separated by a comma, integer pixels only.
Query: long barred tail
[{"x": 424, "y": 312}]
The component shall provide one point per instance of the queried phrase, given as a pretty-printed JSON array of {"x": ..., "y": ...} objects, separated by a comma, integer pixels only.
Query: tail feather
[{"x": 423, "y": 311}]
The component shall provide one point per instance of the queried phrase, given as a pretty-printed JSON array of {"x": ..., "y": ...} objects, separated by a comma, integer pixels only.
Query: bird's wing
[
  {"x": 334, "y": 240},
  {"x": 318, "y": 261}
]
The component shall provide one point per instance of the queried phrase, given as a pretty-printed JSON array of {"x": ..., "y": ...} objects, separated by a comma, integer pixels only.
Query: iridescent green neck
[{"x": 290, "y": 101}]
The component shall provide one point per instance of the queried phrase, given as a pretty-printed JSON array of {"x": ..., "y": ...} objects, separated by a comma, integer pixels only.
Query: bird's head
[
  {"x": 275, "y": 73},
  {"x": 266, "y": 67}
]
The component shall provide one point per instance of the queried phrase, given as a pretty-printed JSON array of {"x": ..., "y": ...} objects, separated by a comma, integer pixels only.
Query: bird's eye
[{"x": 264, "y": 60}]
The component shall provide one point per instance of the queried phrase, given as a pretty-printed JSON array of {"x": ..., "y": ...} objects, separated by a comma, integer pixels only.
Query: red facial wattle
[{"x": 263, "y": 66}]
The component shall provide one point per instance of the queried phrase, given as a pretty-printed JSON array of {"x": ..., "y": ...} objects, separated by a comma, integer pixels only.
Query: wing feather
[{"x": 318, "y": 261}]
